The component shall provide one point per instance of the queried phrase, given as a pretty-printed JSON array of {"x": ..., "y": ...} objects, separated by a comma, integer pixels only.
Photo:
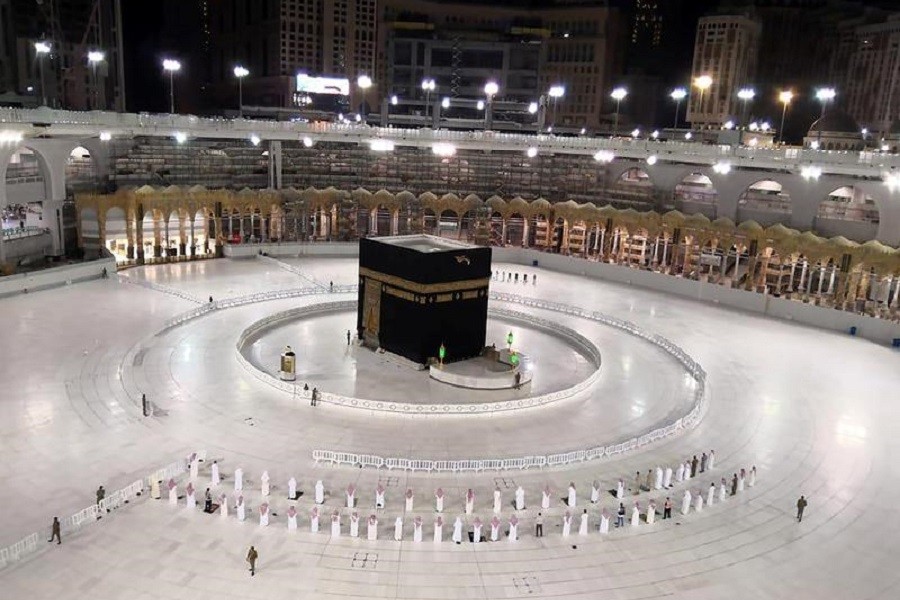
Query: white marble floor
[{"x": 814, "y": 411}]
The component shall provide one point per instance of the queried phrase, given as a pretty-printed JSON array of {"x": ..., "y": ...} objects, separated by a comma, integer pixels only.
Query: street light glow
[
  {"x": 825, "y": 94},
  {"x": 811, "y": 172},
  {"x": 364, "y": 82},
  {"x": 604, "y": 156},
  {"x": 703, "y": 82},
  {"x": 746, "y": 94},
  {"x": 240, "y": 72},
  {"x": 443, "y": 149},
  {"x": 533, "y": 107},
  {"x": 678, "y": 94},
  {"x": 380, "y": 145},
  {"x": 786, "y": 96},
  {"x": 180, "y": 137},
  {"x": 95, "y": 56},
  {"x": 531, "y": 152},
  {"x": 635, "y": 132},
  {"x": 42, "y": 47},
  {"x": 171, "y": 65},
  {"x": 105, "y": 136},
  {"x": 307, "y": 142},
  {"x": 428, "y": 85},
  {"x": 651, "y": 160},
  {"x": 619, "y": 93},
  {"x": 491, "y": 88},
  {"x": 557, "y": 91},
  {"x": 394, "y": 100},
  {"x": 445, "y": 103},
  {"x": 479, "y": 105},
  {"x": 729, "y": 124},
  {"x": 254, "y": 139},
  {"x": 722, "y": 168}
]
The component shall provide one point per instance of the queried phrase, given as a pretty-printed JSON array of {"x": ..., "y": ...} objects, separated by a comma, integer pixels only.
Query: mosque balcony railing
[{"x": 47, "y": 122}]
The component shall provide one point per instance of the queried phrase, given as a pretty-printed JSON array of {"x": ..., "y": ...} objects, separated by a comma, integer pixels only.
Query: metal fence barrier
[{"x": 86, "y": 516}]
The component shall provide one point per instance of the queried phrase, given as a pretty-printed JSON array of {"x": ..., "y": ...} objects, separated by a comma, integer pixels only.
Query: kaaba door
[{"x": 372, "y": 313}]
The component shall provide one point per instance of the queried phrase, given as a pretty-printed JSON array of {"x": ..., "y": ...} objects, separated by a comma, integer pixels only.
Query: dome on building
[{"x": 836, "y": 121}]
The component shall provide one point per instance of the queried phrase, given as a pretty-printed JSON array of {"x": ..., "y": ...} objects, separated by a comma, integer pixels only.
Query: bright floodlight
[
  {"x": 445, "y": 103},
  {"x": 754, "y": 126},
  {"x": 394, "y": 100},
  {"x": 307, "y": 142},
  {"x": 364, "y": 81},
  {"x": 892, "y": 181},
  {"x": 240, "y": 72},
  {"x": 95, "y": 56},
  {"x": 532, "y": 152},
  {"x": 171, "y": 65},
  {"x": 678, "y": 94},
  {"x": 491, "y": 88},
  {"x": 786, "y": 96},
  {"x": 11, "y": 137},
  {"x": 765, "y": 126},
  {"x": 825, "y": 94},
  {"x": 583, "y": 130},
  {"x": 479, "y": 105},
  {"x": 814, "y": 144},
  {"x": 635, "y": 132},
  {"x": 428, "y": 85},
  {"x": 533, "y": 107},
  {"x": 180, "y": 137},
  {"x": 380, "y": 145},
  {"x": 105, "y": 136},
  {"x": 729, "y": 124},
  {"x": 651, "y": 160},
  {"x": 619, "y": 93},
  {"x": 254, "y": 139},
  {"x": 604, "y": 156},
  {"x": 557, "y": 91},
  {"x": 811, "y": 172},
  {"x": 746, "y": 94},
  {"x": 444, "y": 149},
  {"x": 655, "y": 134},
  {"x": 42, "y": 47},
  {"x": 703, "y": 82},
  {"x": 688, "y": 135},
  {"x": 722, "y": 168}
]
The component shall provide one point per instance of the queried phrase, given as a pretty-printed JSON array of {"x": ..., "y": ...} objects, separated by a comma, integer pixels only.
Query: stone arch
[
  {"x": 850, "y": 212},
  {"x": 117, "y": 232},
  {"x": 632, "y": 188},
  {"x": 695, "y": 193},
  {"x": 449, "y": 224},
  {"x": 516, "y": 229},
  {"x": 766, "y": 202},
  {"x": 89, "y": 231}
]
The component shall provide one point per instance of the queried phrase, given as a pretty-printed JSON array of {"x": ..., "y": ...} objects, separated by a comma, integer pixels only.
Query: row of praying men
[{"x": 663, "y": 479}]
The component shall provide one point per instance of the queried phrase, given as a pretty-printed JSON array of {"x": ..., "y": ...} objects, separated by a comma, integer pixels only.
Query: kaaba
[{"x": 419, "y": 292}]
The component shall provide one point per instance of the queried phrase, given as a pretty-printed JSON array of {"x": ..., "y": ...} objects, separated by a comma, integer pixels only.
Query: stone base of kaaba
[{"x": 479, "y": 374}]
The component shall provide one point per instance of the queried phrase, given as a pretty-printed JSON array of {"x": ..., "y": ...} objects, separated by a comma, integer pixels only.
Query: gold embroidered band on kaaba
[{"x": 425, "y": 288}]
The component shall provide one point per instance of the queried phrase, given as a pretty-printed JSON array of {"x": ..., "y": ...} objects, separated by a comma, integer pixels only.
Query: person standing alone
[
  {"x": 54, "y": 532},
  {"x": 801, "y": 504},
  {"x": 252, "y": 555}
]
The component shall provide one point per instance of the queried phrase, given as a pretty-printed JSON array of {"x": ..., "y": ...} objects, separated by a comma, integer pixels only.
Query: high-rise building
[
  {"x": 726, "y": 51},
  {"x": 871, "y": 86},
  {"x": 277, "y": 39},
  {"x": 526, "y": 49},
  {"x": 74, "y": 31}
]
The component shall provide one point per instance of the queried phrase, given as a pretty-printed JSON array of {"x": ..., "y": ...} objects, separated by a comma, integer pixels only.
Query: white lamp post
[
  {"x": 785, "y": 98},
  {"x": 745, "y": 95},
  {"x": 94, "y": 58},
  {"x": 364, "y": 82},
  {"x": 618, "y": 95},
  {"x": 240, "y": 72},
  {"x": 41, "y": 49},
  {"x": 171, "y": 66},
  {"x": 702, "y": 83},
  {"x": 823, "y": 95},
  {"x": 556, "y": 92},
  {"x": 678, "y": 94},
  {"x": 490, "y": 90},
  {"x": 428, "y": 86}
]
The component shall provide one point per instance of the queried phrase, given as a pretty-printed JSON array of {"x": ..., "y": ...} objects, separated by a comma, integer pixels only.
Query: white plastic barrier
[
  {"x": 687, "y": 421},
  {"x": 86, "y": 516}
]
